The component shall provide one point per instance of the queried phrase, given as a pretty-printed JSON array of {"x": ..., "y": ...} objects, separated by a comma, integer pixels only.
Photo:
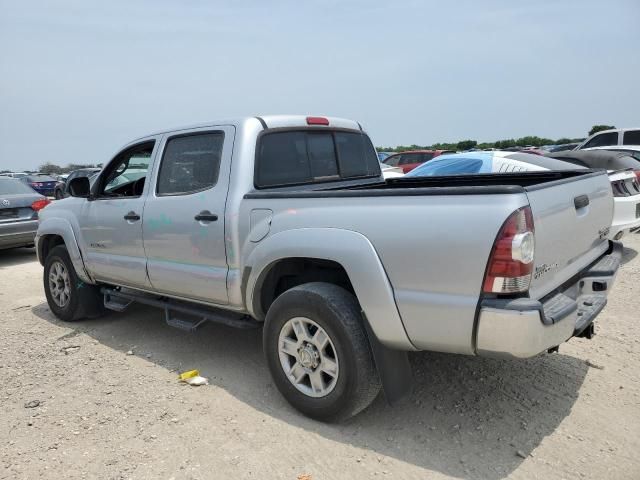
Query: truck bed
[
  {"x": 483, "y": 184},
  {"x": 434, "y": 242}
]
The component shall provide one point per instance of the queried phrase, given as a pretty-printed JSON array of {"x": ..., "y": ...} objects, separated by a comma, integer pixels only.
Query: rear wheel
[
  {"x": 318, "y": 352},
  {"x": 57, "y": 194},
  {"x": 69, "y": 298}
]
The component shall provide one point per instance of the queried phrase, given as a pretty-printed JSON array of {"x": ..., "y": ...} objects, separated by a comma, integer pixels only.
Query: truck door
[
  {"x": 111, "y": 220},
  {"x": 184, "y": 217}
]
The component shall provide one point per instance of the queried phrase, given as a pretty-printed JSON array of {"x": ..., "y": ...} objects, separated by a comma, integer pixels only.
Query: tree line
[
  {"x": 53, "y": 169},
  {"x": 529, "y": 140}
]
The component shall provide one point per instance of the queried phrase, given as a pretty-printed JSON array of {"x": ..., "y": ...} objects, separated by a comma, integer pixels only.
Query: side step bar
[{"x": 118, "y": 300}]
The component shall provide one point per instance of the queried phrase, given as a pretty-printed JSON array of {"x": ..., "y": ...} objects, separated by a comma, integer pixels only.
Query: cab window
[{"x": 603, "y": 140}]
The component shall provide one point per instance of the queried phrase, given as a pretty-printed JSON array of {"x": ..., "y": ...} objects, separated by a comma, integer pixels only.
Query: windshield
[{"x": 11, "y": 186}]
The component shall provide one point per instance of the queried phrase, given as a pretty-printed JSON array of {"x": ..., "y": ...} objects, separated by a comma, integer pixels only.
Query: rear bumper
[
  {"x": 626, "y": 215},
  {"x": 17, "y": 234},
  {"x": 523, "y": 328}
]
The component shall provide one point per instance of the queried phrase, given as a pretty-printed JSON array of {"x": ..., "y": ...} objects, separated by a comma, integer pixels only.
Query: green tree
[
  {"x": 599, "y": 128},
  {"x": 466, "y": 144},
  {"x": 51, "y": 169}
]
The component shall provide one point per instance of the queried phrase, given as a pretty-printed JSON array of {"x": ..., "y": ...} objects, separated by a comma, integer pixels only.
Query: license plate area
[{"x": 8, "y": 213}]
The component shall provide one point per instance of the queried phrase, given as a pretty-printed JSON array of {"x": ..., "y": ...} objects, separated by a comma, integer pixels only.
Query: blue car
[
  {"x": 472, "y": 163},
  {"x": 43, "y": 184}
]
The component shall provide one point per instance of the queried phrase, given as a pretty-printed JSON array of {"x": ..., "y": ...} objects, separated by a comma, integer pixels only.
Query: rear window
[
  {"x": 631, "y": 137},
  {"x": 40, "y": 178},
  {"x": 12, "y": 186},
  {"x": 448, "y": 166},
  {"x": 300, "y": 157}
]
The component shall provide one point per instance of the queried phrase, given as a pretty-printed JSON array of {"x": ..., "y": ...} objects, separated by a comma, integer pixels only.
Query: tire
[
  {"x": 58, "y": 194},
  {"x": 81, "y": 300},
  {"x": 337, "y": 313}
]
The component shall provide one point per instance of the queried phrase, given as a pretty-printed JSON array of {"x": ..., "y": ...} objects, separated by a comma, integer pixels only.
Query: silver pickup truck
[{"x": 285, "y": 223}]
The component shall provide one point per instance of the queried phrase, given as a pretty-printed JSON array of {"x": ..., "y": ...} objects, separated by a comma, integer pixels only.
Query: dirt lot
[{"x": 99, "y": 399}]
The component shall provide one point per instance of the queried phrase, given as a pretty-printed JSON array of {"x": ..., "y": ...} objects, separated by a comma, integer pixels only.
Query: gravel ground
[{"x": 100, "y": 399}]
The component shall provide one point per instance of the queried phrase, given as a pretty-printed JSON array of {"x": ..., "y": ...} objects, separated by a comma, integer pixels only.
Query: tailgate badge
[
  {"x": 544, "y": 268},
  {"x": 5, "y": 203}
]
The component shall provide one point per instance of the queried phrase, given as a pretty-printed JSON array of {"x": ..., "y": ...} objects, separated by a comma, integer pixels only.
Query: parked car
[
  {"x": 623, "y": 175},
  {"x": 286, "y": 222},
  {"x": 19, "y": 207},
  {"x": 43, "y": 184},
  {"x": 561, "y": 147},
  {"x": 15, "y": 174},
  {"x": 60, "y": 190},
  {"x": 609, "y": 138},
  {"x": 409, "y": 160},
  {"x": 391, "y": 172},
  {"x": 473, "y": 163}
]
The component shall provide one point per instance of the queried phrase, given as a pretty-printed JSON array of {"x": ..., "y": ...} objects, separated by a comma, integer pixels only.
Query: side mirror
[{"x": 80, "y": 187}]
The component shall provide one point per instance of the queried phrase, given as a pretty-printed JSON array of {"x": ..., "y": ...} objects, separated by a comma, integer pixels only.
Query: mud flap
[{"x": 393, "y": 368}]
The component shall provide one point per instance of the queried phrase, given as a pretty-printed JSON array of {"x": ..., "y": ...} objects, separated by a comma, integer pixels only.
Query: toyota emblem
[{"x": 6, "y": 203}]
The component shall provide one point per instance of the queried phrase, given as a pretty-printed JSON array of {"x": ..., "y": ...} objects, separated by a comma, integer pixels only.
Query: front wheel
[
  {"x": 69, "y": 298},
  {"x": 318, "y": 352},
  {"x": 58, "y": 195}
]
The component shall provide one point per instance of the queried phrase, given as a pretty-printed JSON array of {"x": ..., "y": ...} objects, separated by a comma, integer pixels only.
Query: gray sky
[{"x": 78, "y": 79}]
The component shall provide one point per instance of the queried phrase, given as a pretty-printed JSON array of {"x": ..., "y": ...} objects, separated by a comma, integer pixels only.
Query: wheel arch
[
  {"x": 354, "y": 264},
  {"x": 58, "y": 231}
]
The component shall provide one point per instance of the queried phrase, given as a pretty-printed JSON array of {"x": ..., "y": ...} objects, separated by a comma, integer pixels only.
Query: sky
[{"x": 79, "y": 79}]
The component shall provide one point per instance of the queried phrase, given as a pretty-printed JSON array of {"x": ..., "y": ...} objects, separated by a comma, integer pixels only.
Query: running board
[
  {"x": 119, "y": 301},
  {"x": 115, "y": 303}
]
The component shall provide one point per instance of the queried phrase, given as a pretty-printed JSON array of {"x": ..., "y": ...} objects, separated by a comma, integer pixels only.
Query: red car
[{"x": 409, "y": 160}]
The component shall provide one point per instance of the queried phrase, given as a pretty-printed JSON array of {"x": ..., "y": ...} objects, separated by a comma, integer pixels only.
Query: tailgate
[{"x": 572, "y": 218}]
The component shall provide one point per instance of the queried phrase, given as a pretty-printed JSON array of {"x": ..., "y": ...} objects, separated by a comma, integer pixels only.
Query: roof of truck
[{"x": 271, "y": 121}]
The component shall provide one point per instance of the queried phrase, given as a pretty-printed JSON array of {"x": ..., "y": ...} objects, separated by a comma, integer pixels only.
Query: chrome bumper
[{"x": 523, "y": 328}]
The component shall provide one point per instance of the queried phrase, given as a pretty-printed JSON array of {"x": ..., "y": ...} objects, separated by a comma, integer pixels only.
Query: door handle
[
  {"x": 206, "y": 216},
  {"x": 132, "y": 216},
  {"x": 581, "y": 201}
]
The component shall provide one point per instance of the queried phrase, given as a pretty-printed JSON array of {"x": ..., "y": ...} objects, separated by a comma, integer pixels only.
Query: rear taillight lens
[
  {"x": 40, "y": 204},
  {"x": 511, "y": 261},
  {"x": 637, "y": 172}
]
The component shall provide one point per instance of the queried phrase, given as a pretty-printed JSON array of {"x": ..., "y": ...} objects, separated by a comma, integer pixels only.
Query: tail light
[
  {"x": 40, "y": 204},
  {"x": 36, "y": 184},
  {"x": 317, "y": 121},
  {"x": 511, "y": 261},
  {"x": 637, "y": 172}
]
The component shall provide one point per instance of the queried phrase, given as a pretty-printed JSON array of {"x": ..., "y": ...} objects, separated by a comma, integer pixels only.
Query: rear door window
[
  {"x": 299, "y": 157},
  {"x": 190, "y": 163},
  {"x": 631, "y": 137}
]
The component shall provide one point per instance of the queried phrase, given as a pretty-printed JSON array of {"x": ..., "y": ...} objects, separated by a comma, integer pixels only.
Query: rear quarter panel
[{"x": 434, "y": 250}]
